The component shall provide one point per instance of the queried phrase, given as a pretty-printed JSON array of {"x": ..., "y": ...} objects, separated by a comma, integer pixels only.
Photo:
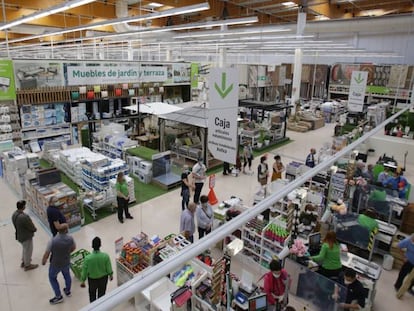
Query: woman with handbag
[{"x": 278, "y": 168}]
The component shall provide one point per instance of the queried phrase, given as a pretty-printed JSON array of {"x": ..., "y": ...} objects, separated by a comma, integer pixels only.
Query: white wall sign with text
[
  {"x": 222, "y": 118},
  {"x": 114, "y": 73},
  {"x": 357, "y": 90}
]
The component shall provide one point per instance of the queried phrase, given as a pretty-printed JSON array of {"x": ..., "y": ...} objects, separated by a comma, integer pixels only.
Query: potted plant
[
  {"x": 261, "y": 139},
  {"x": 267, "y": 140}
]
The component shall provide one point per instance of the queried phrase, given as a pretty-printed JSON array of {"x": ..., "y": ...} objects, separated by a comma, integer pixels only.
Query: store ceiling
[{"x": 17, "y": 41}]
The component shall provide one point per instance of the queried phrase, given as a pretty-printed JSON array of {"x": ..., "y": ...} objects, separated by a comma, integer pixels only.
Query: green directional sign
[
  {"x": 359, "y": 79},
  {"x": 356, "y": 96},
  {"x": 223, "y": 91},
  {"x": 223, "y": 100}
]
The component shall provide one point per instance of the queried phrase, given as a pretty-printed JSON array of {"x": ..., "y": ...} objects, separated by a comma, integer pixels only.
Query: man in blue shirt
[
  {"x": 59, "y": 250},
  {"x": 398, "y": 183},
  {"x": 55, "y": 216},
  {"x": 310, "y": 159},
  {"x": 408, "y": 245},
  {"x": 187, "y": 223}
]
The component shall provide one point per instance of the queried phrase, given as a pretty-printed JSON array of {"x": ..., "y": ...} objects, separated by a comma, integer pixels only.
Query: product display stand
[{"x": 38, "y": 200}]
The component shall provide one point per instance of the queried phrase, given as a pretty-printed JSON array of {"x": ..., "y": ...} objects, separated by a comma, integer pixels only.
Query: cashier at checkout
[{"x": 355, "y": 295}]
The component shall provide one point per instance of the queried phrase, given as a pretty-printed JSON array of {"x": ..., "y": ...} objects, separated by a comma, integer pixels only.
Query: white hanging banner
[
  {"x": 222, "y": 117},
  {"x": 357, "y": 90}
]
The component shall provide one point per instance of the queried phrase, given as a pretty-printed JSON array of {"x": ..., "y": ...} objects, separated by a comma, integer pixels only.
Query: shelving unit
[
  {"x": 10, "y": 123},
  {"x": 38, "y": 198},
  {"x": 264, "y": 241}
]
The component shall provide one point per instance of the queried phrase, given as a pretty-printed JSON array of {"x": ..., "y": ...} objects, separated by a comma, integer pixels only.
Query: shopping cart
[{"x": 76, "y": 262}]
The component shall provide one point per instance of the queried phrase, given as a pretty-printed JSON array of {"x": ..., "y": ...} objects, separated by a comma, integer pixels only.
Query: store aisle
[{"x": 21, "y": 290}]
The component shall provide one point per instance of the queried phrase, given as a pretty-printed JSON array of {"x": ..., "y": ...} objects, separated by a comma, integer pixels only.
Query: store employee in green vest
[
  {"x": 122, "y": 197},
  {"x": 329, "y": 256}
]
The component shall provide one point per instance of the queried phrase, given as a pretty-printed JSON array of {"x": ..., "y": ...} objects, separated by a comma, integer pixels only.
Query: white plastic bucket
[{"x": 388, "y": 262}]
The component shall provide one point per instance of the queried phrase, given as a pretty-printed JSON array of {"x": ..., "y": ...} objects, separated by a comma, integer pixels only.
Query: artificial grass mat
[{"x": 143, "y": 192}]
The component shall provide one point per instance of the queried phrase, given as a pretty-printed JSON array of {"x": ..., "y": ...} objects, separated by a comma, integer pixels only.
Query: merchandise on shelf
[
  {"x": 9, "y": 125},
  {"x": 142, "y": 252},
  {"x": 112, "y": 141},
  {"x": 90, "y": 170}
]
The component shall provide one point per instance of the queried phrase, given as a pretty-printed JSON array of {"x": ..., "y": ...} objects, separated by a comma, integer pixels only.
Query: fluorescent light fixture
[
  {"x": 154, "y": 5},
  {"x": 228, "y": 33},
  {"x": 233, "y": 21},
  {"x": 153, "y": 15},
  {"x": 52, "y": 10},
  {"x": 373, "y": 12},
  {"x": 288, "y": 3}
]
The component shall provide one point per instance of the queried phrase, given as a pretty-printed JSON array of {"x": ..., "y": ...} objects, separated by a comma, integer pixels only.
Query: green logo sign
[
  {"x": 359, "y": 79},
  {"x": 223, "y": 91}
]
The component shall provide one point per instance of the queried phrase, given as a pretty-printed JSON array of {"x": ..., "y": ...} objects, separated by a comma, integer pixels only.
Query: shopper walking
[
  {"x": 262, "y": 171},
  {"x": 59, "y": 249},
  {"x": 25, "y": 230},
  {"x": 186, "y": 185},
  {"x": 310, "y": 159},
  {"x": 408, "y": 245},
  {"x": 122, "y": 197},
  {"x": 199, "y": 173},
  {"x": 247, "y": 156},
  {"x": 205, "y": 217},
  {"x": 278, "y": 168},
  {"x": 276, "y": 283},
  {"x": 329, "y": 256},
  {"x": 187, "y": 223},
  {"x": 97, "y": 269},
  {"x": 54, "y": 215}
]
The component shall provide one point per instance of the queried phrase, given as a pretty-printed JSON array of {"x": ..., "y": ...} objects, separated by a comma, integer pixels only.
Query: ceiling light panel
[{"x": 43, "y": 13}]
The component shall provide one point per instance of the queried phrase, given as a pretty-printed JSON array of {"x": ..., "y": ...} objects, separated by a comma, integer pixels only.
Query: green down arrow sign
[
  {"x": 223, "y": 91},
  {"x": 359, "y": 79}
]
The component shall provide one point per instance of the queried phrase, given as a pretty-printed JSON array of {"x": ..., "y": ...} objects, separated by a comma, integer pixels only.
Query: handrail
[{"x": 150, "y": 275}]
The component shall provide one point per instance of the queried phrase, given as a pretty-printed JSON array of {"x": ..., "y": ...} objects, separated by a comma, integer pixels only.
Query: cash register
[{"x": 314, "y": 241}]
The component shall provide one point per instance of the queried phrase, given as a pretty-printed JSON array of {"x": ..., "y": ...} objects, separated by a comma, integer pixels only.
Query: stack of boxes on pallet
[
  {"x": 141, "y": 169},
  {"x": 16, "y": 164},
  {"x": 93, "y": 171},
  {"x": 38, "y": 196}
]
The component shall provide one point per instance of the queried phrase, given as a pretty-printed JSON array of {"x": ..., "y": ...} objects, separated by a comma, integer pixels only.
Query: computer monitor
[
  {"x": 258, "y": 303},
  {"x": 314, "y": 240}
]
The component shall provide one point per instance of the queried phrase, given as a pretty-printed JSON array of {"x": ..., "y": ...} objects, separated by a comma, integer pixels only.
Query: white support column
[
  {"x": 222, "y": 57},
  {"x": 297, "y": 71},
  {"x": 130, "y": 51},
  {"x": 168, "y": 55}
]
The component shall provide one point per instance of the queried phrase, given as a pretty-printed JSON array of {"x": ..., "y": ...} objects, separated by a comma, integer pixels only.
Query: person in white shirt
[
  {"x": 205, "y": 218},
  {"x": 199, "y": 175}
]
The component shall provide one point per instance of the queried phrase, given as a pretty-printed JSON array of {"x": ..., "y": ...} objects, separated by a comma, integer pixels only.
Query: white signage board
[
  {"x": 222, "y": 118},
  {"x": 357, "y": 91},
  {"x": 101, "y": 73}
]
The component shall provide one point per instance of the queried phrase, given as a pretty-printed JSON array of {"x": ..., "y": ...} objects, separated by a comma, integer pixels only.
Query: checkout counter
[{"x": 317, "y": 291}]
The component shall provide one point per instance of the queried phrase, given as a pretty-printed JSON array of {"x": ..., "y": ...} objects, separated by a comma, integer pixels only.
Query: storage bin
[{"x": 387, "y": 262}]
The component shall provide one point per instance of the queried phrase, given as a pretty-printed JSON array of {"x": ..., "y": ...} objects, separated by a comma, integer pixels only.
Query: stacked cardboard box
[{"x": 38, "y": 200}]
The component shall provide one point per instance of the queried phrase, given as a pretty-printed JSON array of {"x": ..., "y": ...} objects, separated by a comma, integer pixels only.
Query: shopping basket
[{"x": 76, "y": 262}]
